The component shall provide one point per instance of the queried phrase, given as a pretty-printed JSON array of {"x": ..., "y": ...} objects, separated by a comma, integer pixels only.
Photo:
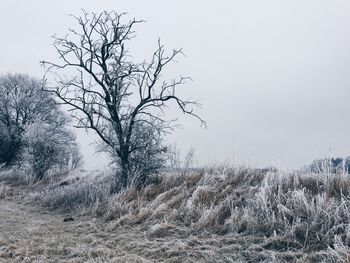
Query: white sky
[{"x": 273, "y": 76}]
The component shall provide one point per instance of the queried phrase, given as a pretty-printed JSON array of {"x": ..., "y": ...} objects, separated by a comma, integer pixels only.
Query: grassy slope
[{"x": 215, "y": 215}]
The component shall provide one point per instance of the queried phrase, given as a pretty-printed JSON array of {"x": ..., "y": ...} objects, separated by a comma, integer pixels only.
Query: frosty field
[{"x": 210, "y": 215}]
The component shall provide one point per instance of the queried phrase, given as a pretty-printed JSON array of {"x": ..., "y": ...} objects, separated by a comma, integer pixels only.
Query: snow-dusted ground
[{"x": 31, "y": 234}]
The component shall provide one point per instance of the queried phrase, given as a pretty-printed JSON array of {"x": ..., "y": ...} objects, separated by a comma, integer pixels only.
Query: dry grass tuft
[{"x": 15, "y": 176}]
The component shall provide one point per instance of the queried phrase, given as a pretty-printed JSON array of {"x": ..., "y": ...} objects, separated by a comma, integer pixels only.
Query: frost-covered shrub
[
  {"x": 88, "y": 192},
  {"x": 47, "y": 147}
]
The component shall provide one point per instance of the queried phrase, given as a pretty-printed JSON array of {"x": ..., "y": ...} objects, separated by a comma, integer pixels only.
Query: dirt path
[
  {"x": 31, "y": 234},
  {"x": 28, "y": 234}
]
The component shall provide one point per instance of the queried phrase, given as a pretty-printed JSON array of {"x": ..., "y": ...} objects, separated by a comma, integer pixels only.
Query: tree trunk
[
  {"x": 125, "y": 171},
  {"x": 124, "y": 176}
]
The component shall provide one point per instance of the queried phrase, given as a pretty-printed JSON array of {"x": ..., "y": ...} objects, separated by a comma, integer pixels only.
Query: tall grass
[
  {"x": 285, "y": 212},
  {"x": 272, "y": 215}
]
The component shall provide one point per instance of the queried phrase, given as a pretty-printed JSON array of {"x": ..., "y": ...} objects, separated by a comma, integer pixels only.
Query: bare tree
[{"x": 121, "y": 100}]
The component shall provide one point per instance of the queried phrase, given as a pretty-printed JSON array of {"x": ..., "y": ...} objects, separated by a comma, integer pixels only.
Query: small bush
[{"x": 78, "y": 193}]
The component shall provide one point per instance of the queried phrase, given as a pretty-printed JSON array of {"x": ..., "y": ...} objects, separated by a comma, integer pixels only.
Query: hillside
[{"x": 211, "y": 215}]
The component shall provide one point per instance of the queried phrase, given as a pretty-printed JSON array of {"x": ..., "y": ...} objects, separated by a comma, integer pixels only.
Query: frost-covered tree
[
  {"x": 122, "y": 100},
  {"x": 22, "y": 102},
  {"x": 9, "y": 144},
  {"x": 28, "y": 115},
  {"x": 149, "y": 159}
]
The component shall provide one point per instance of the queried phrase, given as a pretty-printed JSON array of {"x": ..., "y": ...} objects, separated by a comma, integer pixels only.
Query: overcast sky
[{"x": 273, "y": 76}]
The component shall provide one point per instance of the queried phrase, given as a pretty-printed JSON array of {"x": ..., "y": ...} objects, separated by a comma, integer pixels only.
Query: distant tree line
[{"x": 330, "y": 165}]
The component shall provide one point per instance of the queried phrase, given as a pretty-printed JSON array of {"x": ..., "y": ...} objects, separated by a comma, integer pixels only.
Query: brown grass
[{"x": 228, "y": 214}]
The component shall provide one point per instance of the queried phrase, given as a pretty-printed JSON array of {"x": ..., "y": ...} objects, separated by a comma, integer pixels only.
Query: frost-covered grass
[{"x": 233, "y": 214}]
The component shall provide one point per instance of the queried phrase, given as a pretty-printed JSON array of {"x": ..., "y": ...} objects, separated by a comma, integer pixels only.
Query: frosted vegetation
[
  {"x": 33, "y": 129},
  {"x": 148, "y": 206},
  {"x": 219, "y": 214},
  {"x": 229, "y": 214}
]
